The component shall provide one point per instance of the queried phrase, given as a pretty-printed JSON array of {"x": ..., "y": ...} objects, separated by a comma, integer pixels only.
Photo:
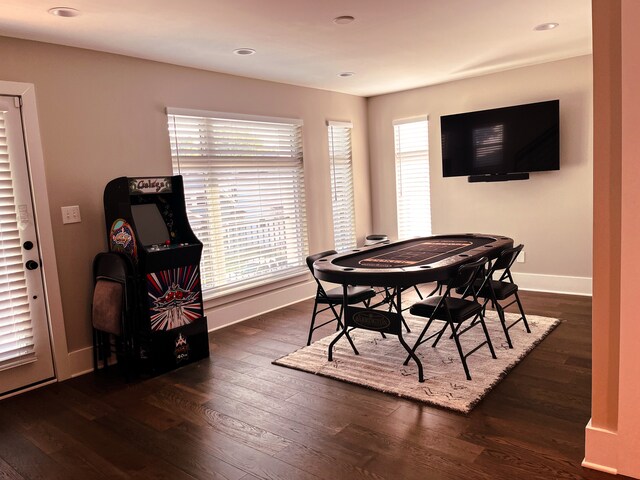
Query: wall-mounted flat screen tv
[{"x": 509, "y": 140}]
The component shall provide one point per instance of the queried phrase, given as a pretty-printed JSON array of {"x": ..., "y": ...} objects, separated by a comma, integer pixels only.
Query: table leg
[
  {"x": 403, "y": 343},
  {"x": 412, "y": 355},
  {"x": 398, "y": 307}
]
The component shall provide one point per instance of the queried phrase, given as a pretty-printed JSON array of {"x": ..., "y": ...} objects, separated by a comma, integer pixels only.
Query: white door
[{"x": 25, "y": 347}]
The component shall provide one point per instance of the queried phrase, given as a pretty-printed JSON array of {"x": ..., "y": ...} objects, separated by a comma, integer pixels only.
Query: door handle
[{"x": 31, "y": 265}]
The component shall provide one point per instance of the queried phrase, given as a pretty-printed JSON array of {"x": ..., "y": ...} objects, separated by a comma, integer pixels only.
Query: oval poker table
[
  {"x": 409, "y": 262},
  {"x": 396, "y": 266}
]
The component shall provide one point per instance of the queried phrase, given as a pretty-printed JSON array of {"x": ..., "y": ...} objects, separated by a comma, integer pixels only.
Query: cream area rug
[{"x": 379, "y": 365}]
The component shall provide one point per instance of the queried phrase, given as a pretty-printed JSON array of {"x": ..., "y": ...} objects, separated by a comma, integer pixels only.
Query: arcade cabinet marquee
[{"x": 146, "y": 220}]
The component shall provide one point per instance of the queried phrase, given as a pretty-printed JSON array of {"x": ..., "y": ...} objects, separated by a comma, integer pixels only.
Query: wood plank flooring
[{"x": 237, "y": 417}]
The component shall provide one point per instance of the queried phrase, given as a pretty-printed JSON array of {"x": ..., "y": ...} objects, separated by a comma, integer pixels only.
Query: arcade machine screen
[{"x": 150, "y": 225}]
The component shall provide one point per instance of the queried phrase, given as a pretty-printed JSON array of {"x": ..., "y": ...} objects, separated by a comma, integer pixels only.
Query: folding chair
[
  {"x": 113, "y": 311},
  {"x": 499, "y": 290},
  {"x": 454, "y": 312},
  {"x": 334, "y": 297}
]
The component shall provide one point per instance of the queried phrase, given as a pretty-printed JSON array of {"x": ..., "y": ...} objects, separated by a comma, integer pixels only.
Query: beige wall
[
  {"x": 103, "y": 116},
  {"x": 551, "y": 213}
]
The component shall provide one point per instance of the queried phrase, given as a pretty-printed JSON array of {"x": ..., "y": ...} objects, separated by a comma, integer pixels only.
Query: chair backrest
[
  {"x": 312, "y": 258},
  {"x": 506, "y": 259},
  {"x": 116, "y": 267},
  {"x": 112, "y": 266},
  {"x": 467, "y": 274}
]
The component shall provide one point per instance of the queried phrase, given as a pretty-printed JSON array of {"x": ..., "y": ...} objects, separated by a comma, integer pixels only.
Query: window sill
[{"x": 242, "y": 292}]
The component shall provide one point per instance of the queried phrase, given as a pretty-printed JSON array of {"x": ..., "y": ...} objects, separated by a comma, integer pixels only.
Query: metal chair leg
[
  {"x": 503, "y": 321},
  {"x": 313, "y": 321},
  {"x": 418, "y": 291},
  {"x": 439, "y": 336},
  {"x": 459, "y": 347},
  {"x": 524, "y": 318},
  {"x": 95, "y": 350},
  {"x": 486, "y": 334}
]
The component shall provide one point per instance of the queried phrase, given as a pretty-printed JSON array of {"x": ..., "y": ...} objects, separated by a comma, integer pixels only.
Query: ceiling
[{"x": 391, "y": 45}]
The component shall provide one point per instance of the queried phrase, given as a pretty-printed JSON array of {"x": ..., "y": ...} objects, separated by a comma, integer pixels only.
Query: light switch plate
[
  {"x": 521, "y": 257},
  {"x": 71, "y": 214}
]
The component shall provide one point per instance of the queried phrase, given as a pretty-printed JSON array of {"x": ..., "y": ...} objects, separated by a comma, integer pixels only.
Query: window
[
  {"x": 344, "y": 230},
  {"x": 244, "y": 191},
  {"x": 413, "y": 199}
]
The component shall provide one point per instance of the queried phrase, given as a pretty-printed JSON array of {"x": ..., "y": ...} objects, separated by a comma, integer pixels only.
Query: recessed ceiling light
[
  {"x": 64, "y": 12},
  {"x": 244, "y": 51},
  {"x": 343, "y": 20},
  {"x": 346, "y": 74},
  {"x": 546, "y": 26}
]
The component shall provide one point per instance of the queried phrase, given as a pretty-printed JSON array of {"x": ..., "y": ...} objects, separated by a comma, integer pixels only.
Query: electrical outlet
[
  {"x": 71, "y": 214},
  {"x": 521, "y": 257}
]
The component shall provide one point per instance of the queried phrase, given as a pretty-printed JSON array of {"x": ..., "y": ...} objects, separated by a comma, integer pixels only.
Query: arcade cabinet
[{"x": 146, "y": 219}]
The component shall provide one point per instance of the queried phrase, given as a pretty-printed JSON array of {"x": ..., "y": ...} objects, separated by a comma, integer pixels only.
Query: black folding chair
[
  {"x": 113, "y": 311},
  {"x": 334, "y": 297},
  {"x": 454, "y": 311},
  {"x": 495, "y": 291}
]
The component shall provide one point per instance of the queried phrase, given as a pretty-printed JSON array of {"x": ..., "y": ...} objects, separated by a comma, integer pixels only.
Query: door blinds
[{"x": 16, "y": 332}]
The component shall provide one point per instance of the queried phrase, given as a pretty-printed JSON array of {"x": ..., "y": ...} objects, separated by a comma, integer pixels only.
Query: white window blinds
[
  {"x": 413, "y": 198},
  {"x": 244, "y": 190},
  {"x": 344, "y": 229},
  {"x": 16, "y": 332}
]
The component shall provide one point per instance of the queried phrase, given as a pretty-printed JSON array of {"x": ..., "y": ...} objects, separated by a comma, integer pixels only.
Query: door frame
[{"x": 42, "y": 213}]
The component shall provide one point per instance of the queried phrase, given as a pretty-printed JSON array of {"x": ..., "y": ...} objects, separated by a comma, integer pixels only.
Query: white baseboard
[
  {"x": 81, "y": 361},
  {"x": 28, "y": 389},
  {"x": 600, "y": 468},
  {"x": 601, "y": 449},
  {"x": 554, "y": 283}
]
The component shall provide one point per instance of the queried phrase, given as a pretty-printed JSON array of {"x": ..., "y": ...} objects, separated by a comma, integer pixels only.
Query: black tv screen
[
  {"x": 522, "y": 138},
  {"x": 149, "y": 224}
]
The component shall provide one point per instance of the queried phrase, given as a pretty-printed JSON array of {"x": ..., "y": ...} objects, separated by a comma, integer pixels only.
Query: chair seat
[
  {"x": 460, "y": 309},
  {"x": 354, "y": 295},
  {"x": 502, "y": 290}
]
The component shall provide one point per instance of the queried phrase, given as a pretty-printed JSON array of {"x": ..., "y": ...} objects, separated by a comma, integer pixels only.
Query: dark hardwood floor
[{"x": 236, "y": 416}]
